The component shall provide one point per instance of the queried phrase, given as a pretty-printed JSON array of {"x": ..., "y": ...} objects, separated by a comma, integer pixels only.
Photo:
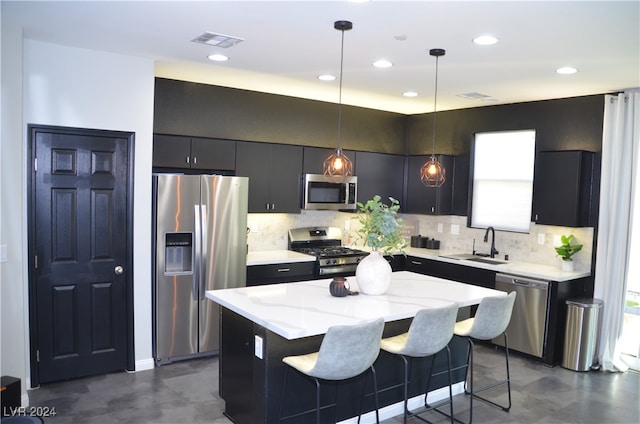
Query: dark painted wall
[
  {"x": 187, "y": 108},
  {"x": 561, "y": 124},
  {"x": 201, "y": 110}
]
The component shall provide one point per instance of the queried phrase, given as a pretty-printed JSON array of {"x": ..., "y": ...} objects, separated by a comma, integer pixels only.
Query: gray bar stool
[
  {"x": 346, "y": 351},
  {"x": 490, "y": 321},
  {"x": 430, "y": 332}
]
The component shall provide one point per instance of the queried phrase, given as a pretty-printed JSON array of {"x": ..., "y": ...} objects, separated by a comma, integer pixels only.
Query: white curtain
[{"x": 620, "y": 146}]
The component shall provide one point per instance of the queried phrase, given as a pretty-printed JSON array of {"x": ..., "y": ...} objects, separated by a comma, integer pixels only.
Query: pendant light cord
[
  {"x": 435, "y": 102},
  {"x": 340, "y": 93}
]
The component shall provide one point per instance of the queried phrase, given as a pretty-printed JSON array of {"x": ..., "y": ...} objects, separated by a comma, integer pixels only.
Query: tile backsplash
[{"x": 269, "y": 231}]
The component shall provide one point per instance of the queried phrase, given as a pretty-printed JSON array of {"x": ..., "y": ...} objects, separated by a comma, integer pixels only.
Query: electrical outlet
[
  {"x": 455, "y": 229},
  {"x": 254, "y": 227},
  {"x": 541, "y": 238},
  {"x": 440, "y": 228},
  {"x": 257, "y": 343},
  {"x": 347, "y": 224}
]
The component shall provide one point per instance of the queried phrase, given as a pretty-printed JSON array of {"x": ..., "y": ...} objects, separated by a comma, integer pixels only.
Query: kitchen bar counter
[
  {"x": 261, "y": 325},
  {"x": 310, "y": 309}
]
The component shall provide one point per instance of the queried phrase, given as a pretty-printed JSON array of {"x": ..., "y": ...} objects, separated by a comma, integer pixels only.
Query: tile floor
[{"x": 187, "y": 392}]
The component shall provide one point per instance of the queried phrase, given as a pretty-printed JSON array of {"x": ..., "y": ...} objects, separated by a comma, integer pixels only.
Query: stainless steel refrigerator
[{"x": 200, "y": 235}]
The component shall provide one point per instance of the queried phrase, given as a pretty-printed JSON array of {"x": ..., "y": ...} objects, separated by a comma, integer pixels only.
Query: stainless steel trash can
[{"x": 581, "y": 333}]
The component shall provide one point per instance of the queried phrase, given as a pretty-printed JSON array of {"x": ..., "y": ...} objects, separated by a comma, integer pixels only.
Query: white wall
[
  {"x": 73, "y": 87},
  {"x": 13, "y": 336}
]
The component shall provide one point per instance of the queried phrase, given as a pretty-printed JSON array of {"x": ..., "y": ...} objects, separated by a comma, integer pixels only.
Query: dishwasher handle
[{"x": 502, "y": 279}]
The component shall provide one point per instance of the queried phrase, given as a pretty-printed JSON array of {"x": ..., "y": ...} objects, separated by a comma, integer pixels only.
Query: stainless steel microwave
[{"x": 329, "y": 193}]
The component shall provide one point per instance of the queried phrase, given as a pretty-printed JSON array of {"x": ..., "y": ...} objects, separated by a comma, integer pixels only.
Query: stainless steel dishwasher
[{"x": 527, "y": 329}]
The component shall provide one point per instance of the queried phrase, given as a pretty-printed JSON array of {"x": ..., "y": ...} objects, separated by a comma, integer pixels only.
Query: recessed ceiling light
[
  {"x": 382, "y": 63},
  {"x": 485, "y": 40},
  {"x": 566, "y": 70},
  {"x": 218, "y": 57},
  {"x": 326, "y": 77},
  {"x": 410, "y": 94}
]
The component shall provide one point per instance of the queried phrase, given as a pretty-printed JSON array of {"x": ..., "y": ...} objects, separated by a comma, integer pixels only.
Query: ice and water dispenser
[{"x": 178, "y": 253}]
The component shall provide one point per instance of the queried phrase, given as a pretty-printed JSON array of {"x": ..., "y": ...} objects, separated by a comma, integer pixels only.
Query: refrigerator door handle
[
  {"x": 198, "y": 252},
  {"x": 204, "y": 219}
]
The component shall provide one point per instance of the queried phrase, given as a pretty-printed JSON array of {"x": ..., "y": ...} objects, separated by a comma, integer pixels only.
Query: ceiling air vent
[
  {"x": 474, "y": 96},
  {"x": 218, "y": 40}
]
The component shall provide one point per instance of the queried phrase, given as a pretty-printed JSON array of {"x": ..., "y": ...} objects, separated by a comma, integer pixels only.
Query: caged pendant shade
[
  {"x": 432, "y": 173},
  {"x": 337, "y": 165}
]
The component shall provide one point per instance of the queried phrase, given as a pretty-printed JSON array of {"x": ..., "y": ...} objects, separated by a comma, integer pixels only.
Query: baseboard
[
  {"x": 24, "y": 399},
  {"x": 145, "y": 365},
  {"x": 396, "y": 409}
]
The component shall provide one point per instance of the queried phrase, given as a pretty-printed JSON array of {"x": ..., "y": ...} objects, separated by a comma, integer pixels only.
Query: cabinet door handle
[
  {"x": 267, "y": 206},
  {"x": 284, "y": 269},
  {"x": 186, "y": 159},
  {"x": 273, "y": 206},
  {"x": 195, "y": 160},
  {"x": 416, "y": 262}
]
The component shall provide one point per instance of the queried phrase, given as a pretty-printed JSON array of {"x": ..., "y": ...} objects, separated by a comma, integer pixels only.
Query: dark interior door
[{"x": 82, "y": 248}]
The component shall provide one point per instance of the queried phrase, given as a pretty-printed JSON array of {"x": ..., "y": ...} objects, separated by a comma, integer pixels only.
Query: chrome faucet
[{"x": 494, "y": 252}]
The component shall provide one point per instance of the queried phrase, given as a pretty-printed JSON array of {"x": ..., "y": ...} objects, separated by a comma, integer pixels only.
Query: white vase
[
  {"x": 373, "y": 274},
  {"x": 567, "y": 266}
]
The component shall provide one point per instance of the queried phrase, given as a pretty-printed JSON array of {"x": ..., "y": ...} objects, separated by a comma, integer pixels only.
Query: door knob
[{"x": 118, "y": 270}]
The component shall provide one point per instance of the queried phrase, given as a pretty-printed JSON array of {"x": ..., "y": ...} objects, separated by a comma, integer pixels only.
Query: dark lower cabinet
[
  {"x": 462, "y": 273},
  {"x": 559, "y": 293},
  {"x": 562, "y": 188},
  {"x": 258, "y": 275},
  {"x": 274, "y": 175}
]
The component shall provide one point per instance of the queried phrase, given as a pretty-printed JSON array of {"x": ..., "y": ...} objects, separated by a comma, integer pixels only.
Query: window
[{"x": 503, "y": 180}]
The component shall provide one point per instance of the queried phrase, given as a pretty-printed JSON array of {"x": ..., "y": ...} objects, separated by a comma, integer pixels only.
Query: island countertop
[{"x": 296, "y": 310}]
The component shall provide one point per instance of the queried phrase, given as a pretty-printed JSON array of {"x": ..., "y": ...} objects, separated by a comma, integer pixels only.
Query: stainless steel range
[{"x": 325, "y": 243}]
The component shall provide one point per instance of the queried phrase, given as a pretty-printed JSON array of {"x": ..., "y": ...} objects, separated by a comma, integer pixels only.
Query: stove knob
[{"x": 335, "y": 261}]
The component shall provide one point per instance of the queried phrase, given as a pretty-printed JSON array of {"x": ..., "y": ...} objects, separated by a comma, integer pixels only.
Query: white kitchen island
[{"x": 260, "y": 325}]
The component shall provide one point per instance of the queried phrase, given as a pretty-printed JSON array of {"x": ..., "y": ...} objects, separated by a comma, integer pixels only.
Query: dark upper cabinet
[
  {"x": 460, "y": 201},
  {"x": 426, "y": 200},
  {"x": 562, "y": 188},
  {"x": 314, "y": 158},
  {"x": 274, "y": 175},
  {"x": 380, "y": 173},
  {"x": 172, "y": 151}
]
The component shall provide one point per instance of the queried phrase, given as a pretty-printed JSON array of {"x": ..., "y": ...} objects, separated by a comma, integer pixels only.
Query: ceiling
[{"x": 287, "y": 44}]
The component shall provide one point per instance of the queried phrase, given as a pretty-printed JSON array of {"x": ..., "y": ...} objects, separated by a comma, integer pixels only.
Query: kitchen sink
[{"x": 486, "y": 261}]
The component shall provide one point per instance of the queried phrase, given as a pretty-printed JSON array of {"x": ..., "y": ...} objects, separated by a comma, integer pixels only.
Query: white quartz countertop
[
  {"x": 547, "y": 272},
  {"x": 296, "y": 310},
  {"x": 269, "y": 257}
]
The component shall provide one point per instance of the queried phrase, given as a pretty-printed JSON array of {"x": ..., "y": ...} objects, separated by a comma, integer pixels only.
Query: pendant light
[
  {"x": 337, "y": 165},
  {"x": 432, "y": 173}
]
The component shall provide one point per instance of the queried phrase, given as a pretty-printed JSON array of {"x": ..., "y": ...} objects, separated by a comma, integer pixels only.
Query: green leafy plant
[
  {"x": 566, "y": 250},
  {"x": 381, "y": 227}
]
